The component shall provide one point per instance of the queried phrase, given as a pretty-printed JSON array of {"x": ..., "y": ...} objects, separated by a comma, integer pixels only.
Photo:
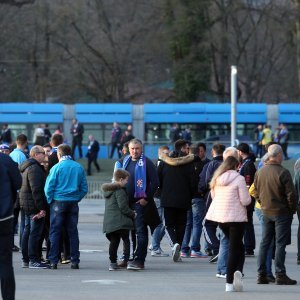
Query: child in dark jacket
[{"x": 118, "y": 217}]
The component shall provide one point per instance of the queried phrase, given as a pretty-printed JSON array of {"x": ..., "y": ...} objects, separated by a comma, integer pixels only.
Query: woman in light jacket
[{"x": 230, "y": 197}]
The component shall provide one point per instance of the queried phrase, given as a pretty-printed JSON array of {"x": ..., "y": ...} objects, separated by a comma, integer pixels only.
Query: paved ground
[{"x": 162, "y": 278}]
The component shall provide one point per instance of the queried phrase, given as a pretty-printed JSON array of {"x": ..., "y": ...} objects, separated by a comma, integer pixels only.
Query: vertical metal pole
[{"x": 233, "y": 104}]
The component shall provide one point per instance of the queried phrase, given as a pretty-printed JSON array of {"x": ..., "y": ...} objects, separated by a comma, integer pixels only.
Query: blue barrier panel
[
  {"x": 204, "y": 113},
  {"x": 31, "y": 113},
  {"x": 289, "y": 113},
  {"x": 104, "y": 113}
]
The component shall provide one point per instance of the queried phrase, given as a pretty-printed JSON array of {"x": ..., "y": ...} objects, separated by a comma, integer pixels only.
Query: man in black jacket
[
  {"x": 33, "y": 202},
  {"x": 77, "y": 131},
  {"x": 248, "y": 170},
  {"x": 92, "y": 154},
  {"x": 11, "y": 181},
  {"x": 6, "y": 135},
  {"x": 177, "y": 185}
]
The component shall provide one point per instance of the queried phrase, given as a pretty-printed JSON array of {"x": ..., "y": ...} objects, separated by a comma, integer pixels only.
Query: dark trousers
[
  {"x": 236, "y": 257},
  {"x": 45, "y": 235},
  {"x": 298, "y": 236},
  {"x": 77, "y": 141},
  {"x": 115, "y": 146},
  {"x": 141, "y": 231},
  {"x": 280, "y": 228},
  {"x": 210, "y": 234},
  {"x": 284, "y": 147},
  {"x": 249, "y": 234},
  {"x": 31, "y": 238},
  {"x": 7, "y": 277},
  {"x": 92, "y": 159},
  {"x": 175, "y": 222},
  {"x": 114, "y": 238}
]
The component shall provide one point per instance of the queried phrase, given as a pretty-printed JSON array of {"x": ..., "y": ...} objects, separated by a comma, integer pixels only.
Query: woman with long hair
[{"x": 230, "y": 197}]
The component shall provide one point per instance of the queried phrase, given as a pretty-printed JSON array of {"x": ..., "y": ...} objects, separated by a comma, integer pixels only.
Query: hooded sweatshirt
[{"x": 230, "y": 197}]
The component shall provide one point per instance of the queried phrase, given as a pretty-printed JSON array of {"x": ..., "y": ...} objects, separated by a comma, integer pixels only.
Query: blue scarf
[
  {"x": 139, "y": 175},
  {"x": 66, "y": 157}
]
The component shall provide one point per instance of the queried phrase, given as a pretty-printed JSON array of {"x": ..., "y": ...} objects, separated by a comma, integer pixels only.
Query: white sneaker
[
  {"x": 237, "y": 281},
  {"x": 229, "y": 287},
  {"x": 176, "y": 252},
  {"x": 159, "y": 253},
  {"x": 218, "y": 275},
  {"x": 150, "y": 247}
]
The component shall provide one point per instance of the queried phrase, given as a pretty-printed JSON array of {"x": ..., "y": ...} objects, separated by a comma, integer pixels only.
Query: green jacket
[{"x": 117, "y": 213}]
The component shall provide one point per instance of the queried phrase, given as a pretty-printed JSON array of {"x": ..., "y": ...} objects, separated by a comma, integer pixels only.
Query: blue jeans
[
  {"x": 270, "y": 251},
  {"x": 278, "y": 227},
  {"x": 193, "y": 227},
  {"x": 64, "y": 212},
  {"x": 159, "y": 231},
  {"x": 141, "y": 234},
  {"x": 31, "y": 238},
  {"x": 223, "y": 254}
]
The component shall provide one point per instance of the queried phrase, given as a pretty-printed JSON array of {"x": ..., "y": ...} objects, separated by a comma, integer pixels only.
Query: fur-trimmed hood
[{"x": 109, "y": 188}]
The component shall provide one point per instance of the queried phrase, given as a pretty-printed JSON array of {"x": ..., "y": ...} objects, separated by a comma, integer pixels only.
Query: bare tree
[{"x": 17, "y": 3}]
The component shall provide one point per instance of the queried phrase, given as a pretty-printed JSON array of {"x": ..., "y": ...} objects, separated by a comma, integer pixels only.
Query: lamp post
[{"x": 233, "y": 104}]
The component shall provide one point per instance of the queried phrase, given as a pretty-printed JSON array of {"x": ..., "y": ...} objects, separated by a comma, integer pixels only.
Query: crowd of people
[
  {"x": 180, "y": 197},
  {"x": 186, "y": 194}
]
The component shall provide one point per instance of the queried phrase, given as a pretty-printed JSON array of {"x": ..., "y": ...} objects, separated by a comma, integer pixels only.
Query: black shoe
[
  {"x": 208, "y": 252},
  {"x": 298, "y": 261},
  {"x": 271, "y": 278},
  {"x": 262, "y": 279},
  {"x": 15, "y": 248},
  {"x": 75, "y": 266},
  {"x": 214, "y": 259},
  {"x": 249, "y": 254},
  {"x": 283, "y": 279},
  {"x": 53, "y": 266}
]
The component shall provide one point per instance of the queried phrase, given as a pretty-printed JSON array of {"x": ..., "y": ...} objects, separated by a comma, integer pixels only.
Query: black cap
[{"x": 244, "y": 148}]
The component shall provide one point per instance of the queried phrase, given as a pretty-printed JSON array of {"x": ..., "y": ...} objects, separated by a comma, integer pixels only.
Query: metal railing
[{"x": 94, "y": 190}]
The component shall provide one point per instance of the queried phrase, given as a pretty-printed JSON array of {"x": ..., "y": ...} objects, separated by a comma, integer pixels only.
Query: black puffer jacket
[
  {"x": 32, "y": 196},
  {"x": 177, "y": 185}
]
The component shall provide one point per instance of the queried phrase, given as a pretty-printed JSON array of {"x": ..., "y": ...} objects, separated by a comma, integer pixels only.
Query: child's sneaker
[{"x": 113, "y": 267}]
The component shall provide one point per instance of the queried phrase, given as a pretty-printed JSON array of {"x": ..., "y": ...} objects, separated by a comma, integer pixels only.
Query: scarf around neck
[
  {"x": 66, "y": 157},
  {"x": 139, "y": 175}
]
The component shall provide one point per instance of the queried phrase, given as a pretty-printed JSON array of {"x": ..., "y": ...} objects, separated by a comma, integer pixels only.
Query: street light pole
[{"x": 233, "y": 104}]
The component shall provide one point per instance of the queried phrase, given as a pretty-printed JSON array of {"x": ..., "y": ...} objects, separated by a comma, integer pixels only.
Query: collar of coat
[{"x": 110, "y": 186}]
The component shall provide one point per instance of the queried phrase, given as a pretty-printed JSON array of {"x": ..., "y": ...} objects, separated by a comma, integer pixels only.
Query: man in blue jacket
[
  {"x": 11, "y": 181},
  {"x": 65, "y": 186}
]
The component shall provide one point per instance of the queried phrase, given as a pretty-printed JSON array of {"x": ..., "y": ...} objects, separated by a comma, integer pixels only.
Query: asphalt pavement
[{"x": 193, "y": 278}]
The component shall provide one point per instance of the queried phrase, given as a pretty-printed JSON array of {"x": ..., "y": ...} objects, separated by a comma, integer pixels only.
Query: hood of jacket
[
  {"x": 227, "y": 178},
  {"x": 27, "y": 163},
  {"x": 109, "y": 188}
]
